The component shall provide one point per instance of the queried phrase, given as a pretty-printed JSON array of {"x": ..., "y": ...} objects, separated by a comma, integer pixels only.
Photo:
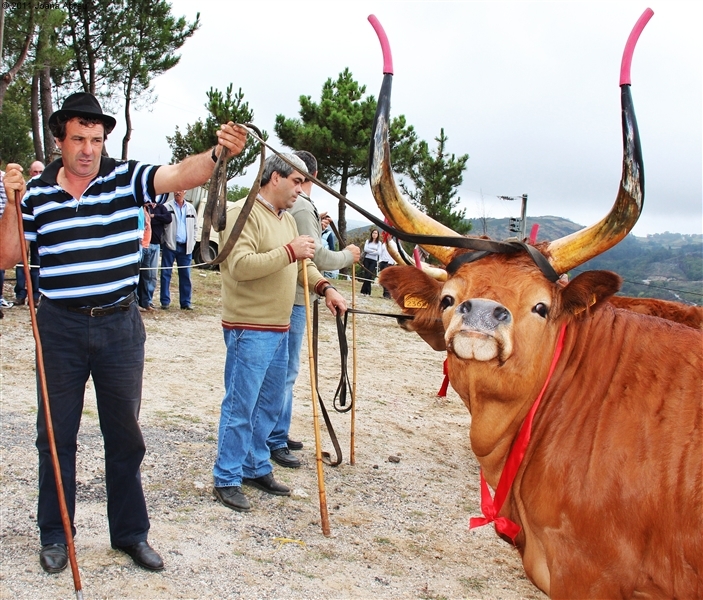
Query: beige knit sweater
[{"x": 260, "y": 274}]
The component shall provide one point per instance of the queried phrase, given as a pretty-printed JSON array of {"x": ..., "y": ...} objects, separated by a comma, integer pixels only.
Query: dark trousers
[
  {"x": 368, "y": 275},
  {"x": 111, "y": 350},
  {"x": 382, "y": 265},
  {"x": 21, "y": 283}
]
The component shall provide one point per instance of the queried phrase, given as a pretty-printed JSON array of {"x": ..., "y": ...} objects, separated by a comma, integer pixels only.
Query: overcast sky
[{"x": 528, "y": 89}]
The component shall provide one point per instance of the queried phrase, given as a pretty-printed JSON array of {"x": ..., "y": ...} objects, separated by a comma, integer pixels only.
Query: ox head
[
  {"x": 478, "y": 293},
  {"x": 494, "y": 315}
]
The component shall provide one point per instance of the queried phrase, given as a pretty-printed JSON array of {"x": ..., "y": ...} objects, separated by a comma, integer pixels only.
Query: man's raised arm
[{"x": 196, "y": 170}]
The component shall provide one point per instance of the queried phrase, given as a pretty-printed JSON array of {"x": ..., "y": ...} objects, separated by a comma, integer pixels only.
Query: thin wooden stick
[
  {"x": 324, "y": 515},
  {"x": 352, "y": 437},
  {"x": 63, "y": 509}
]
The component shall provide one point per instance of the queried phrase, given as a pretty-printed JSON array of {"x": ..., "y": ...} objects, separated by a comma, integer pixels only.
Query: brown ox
[
  {"x": 607, "y": 499},
  {"x": 610, "y": 492}
]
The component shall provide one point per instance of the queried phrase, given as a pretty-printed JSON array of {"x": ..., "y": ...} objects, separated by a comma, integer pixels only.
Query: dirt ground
[{"x": 398, "y": 529}]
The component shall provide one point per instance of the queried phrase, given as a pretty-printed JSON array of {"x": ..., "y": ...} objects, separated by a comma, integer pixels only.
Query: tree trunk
[
  {"x": 127, "y": 120},
  {"x": 47, "y": 108},
  {"x": 6, "y": 78},
  {"x": 36, "y": 125},
  {"x": 342, "y": 207}
]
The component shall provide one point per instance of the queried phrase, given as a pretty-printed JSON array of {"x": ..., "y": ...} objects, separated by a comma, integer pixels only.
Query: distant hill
[{"x": 664, "y": 265}]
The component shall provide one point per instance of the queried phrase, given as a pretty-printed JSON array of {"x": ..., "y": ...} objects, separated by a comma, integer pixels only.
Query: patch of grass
[{"x": 475, "y": 584}]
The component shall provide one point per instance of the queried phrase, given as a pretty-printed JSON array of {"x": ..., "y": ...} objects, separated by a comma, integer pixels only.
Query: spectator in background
[
  {"x": 3, "y": 201},
  {"x": 385, "y": 260},
  {"x": 372, "y": 251},
  {"x": 328, "y": 240},
  {"x": 159, "y": 218},
  {"x": 179, "y": 240},
  {"x": 35, "y": 169}
]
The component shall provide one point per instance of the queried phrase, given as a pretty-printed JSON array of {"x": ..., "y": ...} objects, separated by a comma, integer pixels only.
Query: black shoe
[
  {"x": 293, "y": 445},
  {"x": 164, "y": 307},
  {"x": 268, "y": 484},
  {"x": 283, "y": 457},
  {"x": 53, "y": 558},
  {"x": 144, "y": 555},
  {"x": 189, "y": 307},
  {"x": 232, "y": 497},
  {"x": 20, "y": 301}
]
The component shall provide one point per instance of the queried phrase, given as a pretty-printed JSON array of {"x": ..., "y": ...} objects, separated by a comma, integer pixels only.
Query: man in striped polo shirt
[{"x": 82, "y": 212}]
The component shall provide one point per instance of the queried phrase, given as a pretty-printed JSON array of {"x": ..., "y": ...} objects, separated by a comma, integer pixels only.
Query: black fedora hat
[{"x": 82, "y": 104}]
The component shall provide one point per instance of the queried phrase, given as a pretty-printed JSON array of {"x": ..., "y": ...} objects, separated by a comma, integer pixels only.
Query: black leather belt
[{"x": 101, "y": 311}]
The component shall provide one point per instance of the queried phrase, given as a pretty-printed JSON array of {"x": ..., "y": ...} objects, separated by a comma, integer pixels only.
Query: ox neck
[{"x": 491, "y": 507}]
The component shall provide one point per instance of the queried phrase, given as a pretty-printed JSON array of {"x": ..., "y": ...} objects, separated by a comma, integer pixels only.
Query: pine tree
[
  {"x": 202, "y": 136},
  {"x": 337, "y": 130},
  {"x": 435, "y": 178}
]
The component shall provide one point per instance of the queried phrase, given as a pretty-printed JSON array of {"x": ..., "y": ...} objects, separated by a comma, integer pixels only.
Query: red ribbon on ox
[
  {"x": 445, "y": 383},
  {"x": 490, "y": 507}
]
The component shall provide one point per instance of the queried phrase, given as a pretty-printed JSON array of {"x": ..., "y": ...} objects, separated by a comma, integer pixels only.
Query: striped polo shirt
[{"x": 88, "y": 248}]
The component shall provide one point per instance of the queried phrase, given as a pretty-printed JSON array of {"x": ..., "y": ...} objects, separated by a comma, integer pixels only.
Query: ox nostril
[
  {"x": 464, "y": 307},
  {"x": 501, "y": 313}
]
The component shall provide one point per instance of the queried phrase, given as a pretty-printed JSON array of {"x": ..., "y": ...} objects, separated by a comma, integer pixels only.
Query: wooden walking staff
[
  {"x": 65, "y": 520},
  {"x": 352, "y": 436},
  {"x": 324, "y": 515}
]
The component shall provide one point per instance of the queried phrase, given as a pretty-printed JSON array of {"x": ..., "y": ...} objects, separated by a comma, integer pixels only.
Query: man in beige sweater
[{"x": 258, "y": 290}]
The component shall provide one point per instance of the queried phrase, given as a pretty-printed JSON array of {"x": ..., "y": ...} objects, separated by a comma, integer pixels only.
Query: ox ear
[
  {"x": 588, "y": 291},
  {"x": 418, "y": 295}
]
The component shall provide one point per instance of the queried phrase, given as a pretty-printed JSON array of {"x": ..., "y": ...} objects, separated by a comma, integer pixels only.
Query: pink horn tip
[
  {"x": 385, "y": 46},
  {"x": 630, "y": 46},
  {"x": 416, "y": 256}
]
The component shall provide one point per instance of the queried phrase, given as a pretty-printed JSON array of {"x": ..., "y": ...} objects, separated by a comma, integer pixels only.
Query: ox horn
[
  {"x": 395, "y": 208},
  {"x": 575, "y": 249}
]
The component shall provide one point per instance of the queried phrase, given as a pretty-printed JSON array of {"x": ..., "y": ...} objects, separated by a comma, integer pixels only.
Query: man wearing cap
[{"x": 82, "y": 211}]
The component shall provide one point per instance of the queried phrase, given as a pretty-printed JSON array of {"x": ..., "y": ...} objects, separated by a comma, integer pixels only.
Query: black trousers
[
  {"x": 111, "y": 350},
  {"x": 370, "y": 264}
]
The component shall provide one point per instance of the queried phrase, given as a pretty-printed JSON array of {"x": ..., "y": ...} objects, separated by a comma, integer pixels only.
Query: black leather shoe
[
  {"x": 293, "y": 445},
  {"x": 232, "y": 497},
  {"x": 283, "y": 457},
  {"x": 144, "y": 555},
  {"x": 53, "y": 558},
  {"x": 268, "y": 484}
]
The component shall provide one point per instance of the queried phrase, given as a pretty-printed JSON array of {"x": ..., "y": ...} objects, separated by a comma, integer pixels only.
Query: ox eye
[
  {"x": 446, "y": 302},
  {"x": 541, "y": 310}
]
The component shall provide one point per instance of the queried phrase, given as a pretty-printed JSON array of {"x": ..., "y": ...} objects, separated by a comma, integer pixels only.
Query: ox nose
[{"x": 483, "y": 314}]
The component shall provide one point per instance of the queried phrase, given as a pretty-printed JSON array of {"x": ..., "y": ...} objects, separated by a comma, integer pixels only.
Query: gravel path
[{"x": 399, "y": 529}]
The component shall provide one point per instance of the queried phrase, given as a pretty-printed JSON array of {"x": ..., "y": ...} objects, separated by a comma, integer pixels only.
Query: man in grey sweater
[{"x": 309, "y": 223}]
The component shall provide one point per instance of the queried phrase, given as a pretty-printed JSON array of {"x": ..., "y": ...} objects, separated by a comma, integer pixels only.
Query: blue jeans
[
  {"x": 182, "y": 259},
  {"x": 111, "y": 350},
  {"x": 279, "y": 435},
  {"x": 147, "y": 275},
  {"x": 255, "y": 374}
]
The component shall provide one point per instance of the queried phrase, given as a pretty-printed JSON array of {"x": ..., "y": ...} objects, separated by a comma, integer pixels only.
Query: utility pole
[{"x": 518, "y": 225}]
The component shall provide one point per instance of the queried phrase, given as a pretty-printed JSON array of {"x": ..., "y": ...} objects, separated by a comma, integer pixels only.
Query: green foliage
[
  {"x": 16, "y": 126},
  {"x": 201, "y": 136},
  {"x": 337, "y": 131},
  {"x": 237, "y": 192},
  {"x": 435, "y": 178},
  {"x": 92, "y": 31}
]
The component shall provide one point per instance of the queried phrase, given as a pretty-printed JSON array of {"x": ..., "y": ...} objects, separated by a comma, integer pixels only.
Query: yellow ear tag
[{"x": 414, "y": 302}]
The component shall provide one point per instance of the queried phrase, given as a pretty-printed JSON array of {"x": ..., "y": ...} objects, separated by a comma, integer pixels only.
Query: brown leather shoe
[
  {"x": 53, "y": 558},
  {"x": 144, "y": 555}
]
